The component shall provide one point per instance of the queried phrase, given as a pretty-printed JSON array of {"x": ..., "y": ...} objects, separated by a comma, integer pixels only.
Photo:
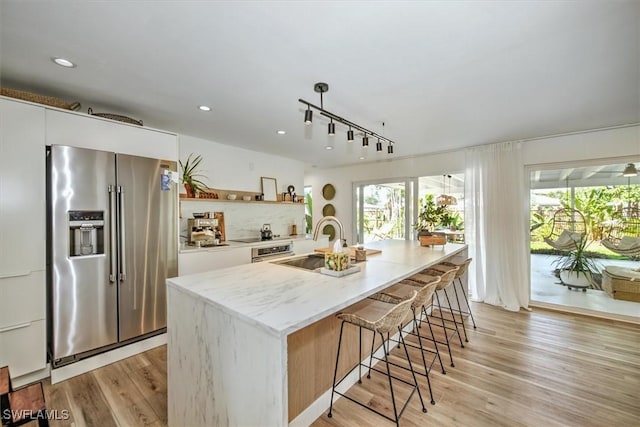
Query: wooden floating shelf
[{"x": 222, "y": 197}]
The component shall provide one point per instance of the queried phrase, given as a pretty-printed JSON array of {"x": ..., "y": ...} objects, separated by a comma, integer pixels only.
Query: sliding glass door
[{"x": 384, "y": 210}]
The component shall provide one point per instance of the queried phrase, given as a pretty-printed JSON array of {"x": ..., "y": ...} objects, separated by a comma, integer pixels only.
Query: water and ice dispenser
[{"x": 86, "y": 233}]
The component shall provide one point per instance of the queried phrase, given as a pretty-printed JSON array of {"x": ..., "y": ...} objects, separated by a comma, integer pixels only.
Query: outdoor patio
[{"x": 545, "y": 289}]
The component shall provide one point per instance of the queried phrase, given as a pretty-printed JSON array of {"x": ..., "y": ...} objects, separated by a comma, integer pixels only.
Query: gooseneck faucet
[{"x": 328, "y": 218}]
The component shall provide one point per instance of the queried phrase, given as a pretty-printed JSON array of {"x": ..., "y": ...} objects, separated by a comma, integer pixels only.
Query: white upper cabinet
[
  {"x": 84, "y": 131},
  {"x": 22, "y": 188}
]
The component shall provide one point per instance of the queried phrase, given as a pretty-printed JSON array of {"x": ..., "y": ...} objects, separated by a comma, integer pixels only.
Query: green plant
[
  {"x": 451, "y": 220},
  {"x": 430, "y": 214},
  {"x": 190, "y": 173},
  {"x": 308, "y": 219},
  {"x": 577, "y": 260}
]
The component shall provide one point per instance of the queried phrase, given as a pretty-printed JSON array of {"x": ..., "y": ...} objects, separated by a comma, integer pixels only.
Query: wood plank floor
[{"x": 518, "y": 369}]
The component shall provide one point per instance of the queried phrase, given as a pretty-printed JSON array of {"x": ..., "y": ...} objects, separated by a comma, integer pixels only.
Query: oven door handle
[{"x": 271, "y": 256}]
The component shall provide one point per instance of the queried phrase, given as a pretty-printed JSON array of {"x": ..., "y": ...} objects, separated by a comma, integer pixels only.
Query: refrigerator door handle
[
  {"x": 123, "y": 256},
  {"x": 113, "y": 265}
]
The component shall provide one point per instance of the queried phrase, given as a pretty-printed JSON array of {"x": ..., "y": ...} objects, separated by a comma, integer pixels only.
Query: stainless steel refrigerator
[{"x": 113, "y": 240}]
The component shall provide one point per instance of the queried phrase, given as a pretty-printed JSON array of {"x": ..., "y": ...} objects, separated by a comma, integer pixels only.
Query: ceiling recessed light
[
  {"x": 63, "y": 62},
  {"x": 361, "y": 157},
  {"x": 281, "y": 132},
  {"x": 328, "y": 147},
  {"x": 204, "y": 108}
]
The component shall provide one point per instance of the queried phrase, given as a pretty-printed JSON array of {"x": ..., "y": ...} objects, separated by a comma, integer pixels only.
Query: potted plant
[
  {"x": 430, "y": 214},
  {"x": 576, "y": 268},
  {"x": 191, "y": 176}
]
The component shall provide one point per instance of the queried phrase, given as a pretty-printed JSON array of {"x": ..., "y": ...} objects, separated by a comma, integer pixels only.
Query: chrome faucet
[{"x": 324, "y": 219}]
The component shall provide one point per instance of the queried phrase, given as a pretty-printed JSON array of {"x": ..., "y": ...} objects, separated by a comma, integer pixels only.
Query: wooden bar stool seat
[{"x": 381, "y": 318}]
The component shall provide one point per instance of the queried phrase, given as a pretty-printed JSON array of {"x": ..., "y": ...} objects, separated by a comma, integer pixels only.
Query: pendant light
[
  {"x": 308, "y": 116},
  {"x": 446, "y": 199},
  {"x": 350, "y": 135},
  {"x": 630, "y": 170}
]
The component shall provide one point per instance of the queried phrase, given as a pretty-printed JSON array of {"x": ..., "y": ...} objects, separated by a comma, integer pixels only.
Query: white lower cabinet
[
  {"x": 213, "y": 259},
  {"x": 22, "y": 347},
  {"x": 26, "y": 296}
]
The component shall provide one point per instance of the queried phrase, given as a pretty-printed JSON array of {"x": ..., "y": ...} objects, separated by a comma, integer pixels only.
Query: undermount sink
[{"x": 307, "y": 262}]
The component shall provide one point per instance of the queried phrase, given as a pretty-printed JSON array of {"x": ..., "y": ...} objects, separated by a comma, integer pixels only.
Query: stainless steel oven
[{"x": 269, "y": 253}]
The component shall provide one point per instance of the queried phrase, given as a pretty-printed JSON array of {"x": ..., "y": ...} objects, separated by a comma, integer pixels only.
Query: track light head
[
  {"x": 350, "y": 135},
  {"x": 332, "y": 128},
  {"x": 365, "y": 141},
  {"x": 308, "y": 116},
  {"x": 390, "y": 149},
  {"x": 378, "y": 146}
]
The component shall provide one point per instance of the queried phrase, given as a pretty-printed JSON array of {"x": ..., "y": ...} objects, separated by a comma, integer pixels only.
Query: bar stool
[
  {"x": 462, "y": 269},
  {"x": 425, "y": 277},
  {"x": 400, "y": 292},
  {"x": 380, "y": 318}
]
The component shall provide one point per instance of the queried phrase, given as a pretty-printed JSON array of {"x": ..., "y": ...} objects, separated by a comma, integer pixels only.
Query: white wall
[
  {"x": 613, "y": 143},
  {"x": 232, "y": 168}
]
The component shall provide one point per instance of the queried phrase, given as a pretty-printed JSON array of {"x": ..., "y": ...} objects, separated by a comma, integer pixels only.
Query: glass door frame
[{"x": 410, "y": 203}]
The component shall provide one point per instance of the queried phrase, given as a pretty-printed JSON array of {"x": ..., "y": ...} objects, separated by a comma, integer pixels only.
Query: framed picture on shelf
[{"x": 269, "y": 189}]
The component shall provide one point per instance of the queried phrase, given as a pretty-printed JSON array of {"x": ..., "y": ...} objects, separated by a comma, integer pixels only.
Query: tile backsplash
[{"x": 244, "y": 220}]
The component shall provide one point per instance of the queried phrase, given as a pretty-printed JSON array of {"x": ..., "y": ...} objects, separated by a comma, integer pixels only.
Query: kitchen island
[{"x": 248, "y": 345}]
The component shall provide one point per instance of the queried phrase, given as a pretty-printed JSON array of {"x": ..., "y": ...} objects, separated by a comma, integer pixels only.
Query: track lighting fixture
[
  {"x": 350, "y": 135},
  {"x": 321, "y": 88}
]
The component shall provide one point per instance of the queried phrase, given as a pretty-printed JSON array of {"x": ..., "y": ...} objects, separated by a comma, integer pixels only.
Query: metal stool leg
[
  {"x": 459, "y": 310},
  {"x": 433, "y": 338},
  {"x": 335, "y": 371},
  {"x": 413, "y": 373},
  {"x": 424, "y": 361},
  {"x": 453, "y": 316},
  {"x": 444, "y": 329},
  {"x": 466, "y": 300},
  {"x": 393, "y": 399}
]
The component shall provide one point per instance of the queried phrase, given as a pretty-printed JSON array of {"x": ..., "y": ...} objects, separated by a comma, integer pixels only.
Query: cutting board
[{"x": 352, "y": 251}]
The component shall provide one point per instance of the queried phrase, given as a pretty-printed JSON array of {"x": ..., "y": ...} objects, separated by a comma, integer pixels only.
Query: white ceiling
[{"x": 441, "y": 75}]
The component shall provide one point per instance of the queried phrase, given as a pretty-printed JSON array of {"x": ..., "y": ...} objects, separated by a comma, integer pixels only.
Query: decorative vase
[
  {"x": 190, "y": 193},
  {"x": 578, "y": 279}
]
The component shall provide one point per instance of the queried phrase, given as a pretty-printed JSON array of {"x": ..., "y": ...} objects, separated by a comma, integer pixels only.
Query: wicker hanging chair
[{"x": 567, "y": 230}]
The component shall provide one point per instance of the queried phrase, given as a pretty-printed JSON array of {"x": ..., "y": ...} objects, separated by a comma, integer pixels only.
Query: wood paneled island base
[{"x": 255, "y": 344}]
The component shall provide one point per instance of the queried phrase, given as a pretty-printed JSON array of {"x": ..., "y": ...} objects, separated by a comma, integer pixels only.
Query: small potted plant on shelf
[
  {"x": 576, "y": 268},
  {"x": 191, "y": 176},
  {"x": 429, "y": 216}
]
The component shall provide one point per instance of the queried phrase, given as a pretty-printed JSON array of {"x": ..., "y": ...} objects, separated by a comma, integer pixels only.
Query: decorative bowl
[
  {"x": 232, "y": 196},
  {"x": 246, "y": 198}
]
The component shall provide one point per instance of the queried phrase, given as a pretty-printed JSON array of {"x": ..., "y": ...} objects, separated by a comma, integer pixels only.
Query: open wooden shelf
[{"x": 222, "y": 197}]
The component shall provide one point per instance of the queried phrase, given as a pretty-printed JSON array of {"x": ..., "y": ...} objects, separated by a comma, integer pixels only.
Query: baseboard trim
[{"x": 86, "y": 365}]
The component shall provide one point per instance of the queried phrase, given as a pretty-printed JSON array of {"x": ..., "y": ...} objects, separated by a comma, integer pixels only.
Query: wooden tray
[{"x": 352, "y": 251}]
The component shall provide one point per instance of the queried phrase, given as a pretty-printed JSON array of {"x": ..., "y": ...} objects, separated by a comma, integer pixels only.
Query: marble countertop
[
  {"x": 184, "y": 248},
  {"x": 283, "y": 299}
]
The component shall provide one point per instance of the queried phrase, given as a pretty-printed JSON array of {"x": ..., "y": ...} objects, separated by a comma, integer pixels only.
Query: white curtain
[{"x": 496, "y": 225}]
